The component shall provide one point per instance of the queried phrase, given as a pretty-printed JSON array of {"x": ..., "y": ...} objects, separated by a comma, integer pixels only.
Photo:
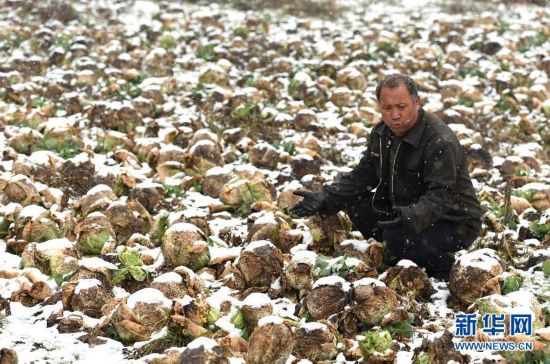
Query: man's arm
[
  {"x": 440, "y": 174},
  {"x": 353, "y": 184}
]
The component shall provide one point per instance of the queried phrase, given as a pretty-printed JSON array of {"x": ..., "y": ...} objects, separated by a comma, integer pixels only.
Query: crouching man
[{"x": 411, "y": 188}]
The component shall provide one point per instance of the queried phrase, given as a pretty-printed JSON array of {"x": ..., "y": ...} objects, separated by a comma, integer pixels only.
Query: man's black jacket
[{"x": 430, "y": 178}]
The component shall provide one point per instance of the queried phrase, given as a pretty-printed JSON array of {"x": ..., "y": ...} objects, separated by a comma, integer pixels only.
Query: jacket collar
[{"x": 414, "y": 136}]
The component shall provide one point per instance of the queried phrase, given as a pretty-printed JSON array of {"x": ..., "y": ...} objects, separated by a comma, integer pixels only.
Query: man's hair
[{"x": 394, "y": 80}]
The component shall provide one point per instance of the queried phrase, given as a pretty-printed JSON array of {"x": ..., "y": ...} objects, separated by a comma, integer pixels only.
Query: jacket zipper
[
  {"x": 379, "y": 183},
  {"x": 393, "y": 170}
]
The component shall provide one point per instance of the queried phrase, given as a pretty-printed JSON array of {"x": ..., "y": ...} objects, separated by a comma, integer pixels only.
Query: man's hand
[
  {"x": 396, "y": 223},
  {"x": 309, "y": 205}
]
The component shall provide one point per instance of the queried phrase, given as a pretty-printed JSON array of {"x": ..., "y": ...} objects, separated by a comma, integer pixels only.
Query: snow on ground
[{"x": 25, "y": 331}]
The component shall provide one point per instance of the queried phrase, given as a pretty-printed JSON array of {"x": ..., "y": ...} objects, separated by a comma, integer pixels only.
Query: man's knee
[
  {"x": 446, "y": 236},
  {"x": 396, "y": 242},
  {"x": 414, "y": 248},
  {"x": 363, "y": 218},
  {"x": 421, "y": 250}
]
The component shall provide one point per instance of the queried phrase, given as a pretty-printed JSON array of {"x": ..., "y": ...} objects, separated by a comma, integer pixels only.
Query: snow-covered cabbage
[{"x": 184, "y": 244}]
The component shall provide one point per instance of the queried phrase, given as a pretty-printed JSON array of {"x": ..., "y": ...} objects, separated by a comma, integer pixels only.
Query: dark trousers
[{"x": 431, "y": 249}]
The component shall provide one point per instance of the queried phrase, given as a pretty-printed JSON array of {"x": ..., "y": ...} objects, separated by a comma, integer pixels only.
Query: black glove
[
  {"x": 396, "y": 223},
  {"x": 309, "y": 205}
]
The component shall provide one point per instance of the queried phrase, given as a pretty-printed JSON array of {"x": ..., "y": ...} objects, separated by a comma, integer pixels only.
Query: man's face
[{"x": 399, "y": 110}]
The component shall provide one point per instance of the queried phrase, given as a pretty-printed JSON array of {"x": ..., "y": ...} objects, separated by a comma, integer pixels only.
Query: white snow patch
[
  {"x": 359, "y": 245},
  {"x": 196, "y": 199},
  {"x": 8, "y": 260},
  {"x": 27, "y": 325},
  {"x": 439, "y": 306},
  {"x": 98, "y": 189},
  {"x": 148, "y": 184},
  {"x": 186, "y": 300},
  {"x": 305, "y": 256},
  {"x": 170, "y": 277},
  {"x": 483, "y": 259},
  {"x": 204, "y": 342},
  {"x": 194, "y": 212},
  {"x": 258, "y": 244},
  {"x": 158, "y": 258},
  {"x": 9, "y": 286},
  {"x": 120, "y": 292},
  {"x": 266, "y": 218},
  {"x": 217, "y": 171},
  {"x": 204, "y": 142},
  {"x": 220, "y": 296},
  {"x": 532, "y": 242},
  {"x": 42, "y": 157},
  {"x": 218, "y": 224},
  {"x": 368, "y": 281},
  {"x": 519, "y": 302},
  {"x": 352, "y": 262},
  {"x": 332, "y": 281},
  {"x": 9, "y": 209},
  {"x": 405, "y": 263},
  {"x": 535, "y": 186},
  {"x": 225, "y": 324},
  {"x": 182, "y": 227},
  {"x": 217, "y": 253},
  {"x": 311, "y": 326},
  {"x": 54, "y": 244},
  {"x": 31, "y": 212},
  {"x": 276, "y": 285},
  {"x": 148, "y": 296},
  {"x": 95, "y": 263},
  {"x": 256, "y": 300},
  {"x": 84, "y": 284},
  {"x": 80, "y": 159},
  {"x": 266, "y": 320},
  {"x": 20, "y": 177}
]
